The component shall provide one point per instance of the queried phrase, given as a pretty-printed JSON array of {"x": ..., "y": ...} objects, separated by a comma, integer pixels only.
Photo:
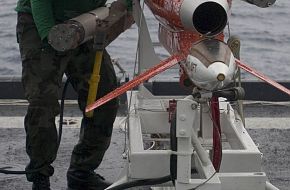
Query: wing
[
  {"x": 262, "y": 77},
  {"x": 162, "y": 66}
]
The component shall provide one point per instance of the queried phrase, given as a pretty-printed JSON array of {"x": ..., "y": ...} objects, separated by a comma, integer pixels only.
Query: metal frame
[{"x": 241, "y": 164}]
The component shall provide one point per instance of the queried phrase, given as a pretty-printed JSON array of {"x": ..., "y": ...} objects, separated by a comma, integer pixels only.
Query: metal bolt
[
  {"x": 182, "y": 117},
  {"x": 193, "y": 106},
  {"x": 182, "y": 132}
]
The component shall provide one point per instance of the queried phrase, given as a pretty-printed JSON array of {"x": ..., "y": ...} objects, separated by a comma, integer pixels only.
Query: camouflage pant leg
[
  {"x": 42, "y": 75},
  {"x": 41, "y": 79},
  {"x": 95, "y": 133}
]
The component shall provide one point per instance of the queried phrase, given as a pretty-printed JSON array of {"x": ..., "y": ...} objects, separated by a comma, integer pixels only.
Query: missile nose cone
[{"x": 210, "y": 64}]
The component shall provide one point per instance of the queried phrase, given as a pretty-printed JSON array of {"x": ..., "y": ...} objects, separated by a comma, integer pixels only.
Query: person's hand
[
  {"x": 119, "y": 5},
  {"x": 45, "y": 46}
]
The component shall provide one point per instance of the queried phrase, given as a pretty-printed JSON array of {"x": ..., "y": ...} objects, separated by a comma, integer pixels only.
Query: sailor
[{"x": 42, "y": 72}]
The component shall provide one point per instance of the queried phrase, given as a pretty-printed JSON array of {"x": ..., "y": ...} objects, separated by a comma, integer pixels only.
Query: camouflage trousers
[{"x": 42, "y": 72}]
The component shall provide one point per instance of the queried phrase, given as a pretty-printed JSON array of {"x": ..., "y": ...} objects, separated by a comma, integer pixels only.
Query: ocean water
[{"x": 264, "y": 34}]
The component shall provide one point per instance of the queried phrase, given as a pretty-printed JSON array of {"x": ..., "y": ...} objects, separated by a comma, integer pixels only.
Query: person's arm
[{"x": 43, "y": 16}]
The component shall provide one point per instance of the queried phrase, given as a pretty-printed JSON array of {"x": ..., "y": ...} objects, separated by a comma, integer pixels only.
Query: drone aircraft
[{"x": 192, "y": 32}]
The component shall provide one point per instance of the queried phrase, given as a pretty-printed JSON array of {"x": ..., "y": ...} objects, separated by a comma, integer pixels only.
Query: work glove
[{"x": 45, "y": 46}]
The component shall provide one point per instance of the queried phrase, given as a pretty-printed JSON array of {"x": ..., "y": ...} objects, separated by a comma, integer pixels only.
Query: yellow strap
[{"x": 94, "y": 81}]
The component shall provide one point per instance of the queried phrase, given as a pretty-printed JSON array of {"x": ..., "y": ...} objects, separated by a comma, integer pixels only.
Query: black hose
[
  {"x": 61, "y": 113},
  {"x": 156, "y": 181},
  {"x": 8, "y": 172},
  {"x": 173, "y": 146},
  {"x": 4, "y": 170},
  {"x": 142, "y": 182},
  {"x": 173, "y": 167}
]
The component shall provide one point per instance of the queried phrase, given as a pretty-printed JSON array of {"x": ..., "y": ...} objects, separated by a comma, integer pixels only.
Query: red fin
[
  {"x": 262, "y": 77},
  {"x": 162, "y": 66}
]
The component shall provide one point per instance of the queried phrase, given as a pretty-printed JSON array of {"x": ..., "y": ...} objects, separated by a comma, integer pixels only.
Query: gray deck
[{"x": 267, "y": 123}]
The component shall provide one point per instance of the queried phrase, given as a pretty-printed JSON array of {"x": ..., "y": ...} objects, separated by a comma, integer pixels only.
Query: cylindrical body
[
  {"x": 181, "y": 41},
  {"x": 207, "y": 17},
  {"x": 90, "y": 20},
  {"x": 184, "y": 22},
  {"x": 69, "y": 35},
  {"x": 109, "y": 21}
]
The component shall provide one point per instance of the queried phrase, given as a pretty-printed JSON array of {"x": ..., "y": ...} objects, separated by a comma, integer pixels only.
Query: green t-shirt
[{"x": 47, "y": 13}]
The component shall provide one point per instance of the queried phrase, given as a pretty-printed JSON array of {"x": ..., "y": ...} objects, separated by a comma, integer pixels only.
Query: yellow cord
[{"x": 94, "y": 81}]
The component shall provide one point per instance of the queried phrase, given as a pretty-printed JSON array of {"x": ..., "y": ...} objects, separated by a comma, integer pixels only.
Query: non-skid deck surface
[{"x": 273, "y": 142}]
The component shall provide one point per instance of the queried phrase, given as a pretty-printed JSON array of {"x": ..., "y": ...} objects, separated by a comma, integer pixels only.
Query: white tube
[
  {"x": 203, "y": 155},
  {"x": 216, "y": 11}
]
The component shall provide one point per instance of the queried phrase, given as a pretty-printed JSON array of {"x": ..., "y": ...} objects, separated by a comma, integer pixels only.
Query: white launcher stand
[{"x": 241, "y": 160}]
